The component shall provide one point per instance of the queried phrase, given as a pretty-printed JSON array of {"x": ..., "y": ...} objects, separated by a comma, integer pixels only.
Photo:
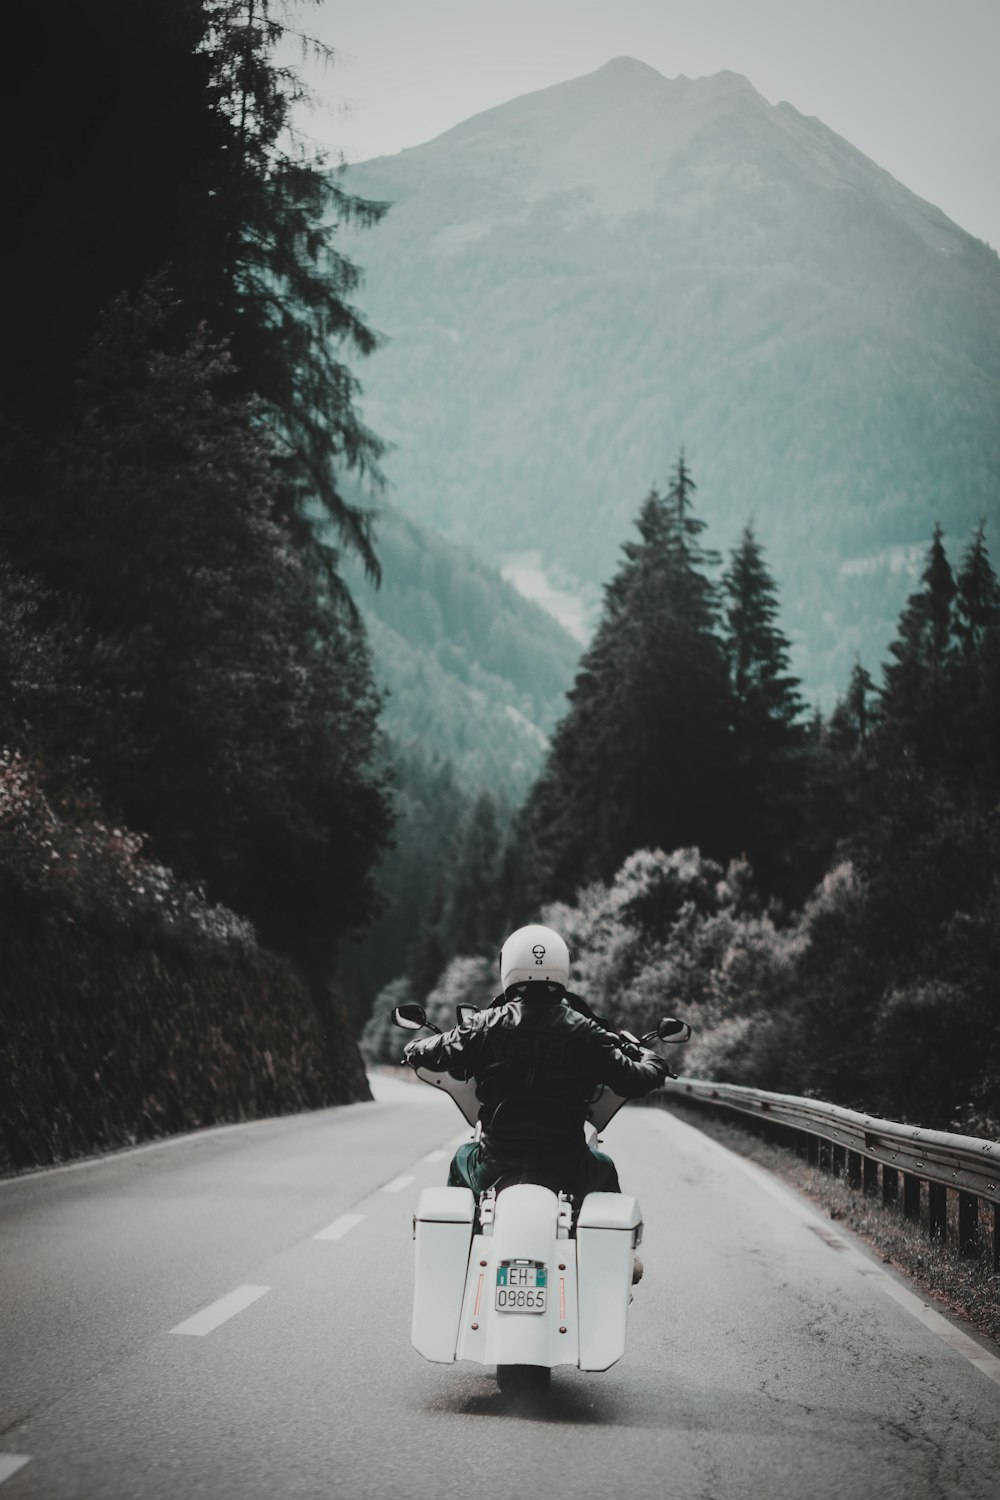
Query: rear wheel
[{"x": 523, "y": 1380}]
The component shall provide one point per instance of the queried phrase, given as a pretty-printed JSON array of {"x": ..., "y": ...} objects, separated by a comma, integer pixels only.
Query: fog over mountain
[{"x": 579, "y": 283}]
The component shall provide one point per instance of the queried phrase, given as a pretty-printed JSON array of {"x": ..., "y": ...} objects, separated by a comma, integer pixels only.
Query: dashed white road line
[
  {"x": 397, "y": 1184},
  {"x": 219, "y": 1312},
  {"x": 434, "y": 1156},
  {"x": 339, "y": 1227},
  {"x": 11, "y": 1462}
]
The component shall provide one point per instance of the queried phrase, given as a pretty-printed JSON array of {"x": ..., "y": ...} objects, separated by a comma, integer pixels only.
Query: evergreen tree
[
  {"x": 975, "y": 730},
  {"x": 220, "y": 704},
  {"x": 167, "y": 508},
  {"x": 766, "y": 694},
  {"x": 643, "y": 758},
  {"x": 926, "y": 841},
  {"x": 769, "y": 734},
  {"x": 183, "y": 121},
  {"x": 467, "y": 915},
  {"x": 469, "y": 921},
  {"x": 917, "y": 698},
  {"x": 857, "y": 712},
  {"x": 977, "y": 596},
  {"x": 275, "y": 282}
]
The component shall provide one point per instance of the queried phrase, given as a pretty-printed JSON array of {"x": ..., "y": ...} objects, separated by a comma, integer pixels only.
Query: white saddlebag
[
  {"x": 442, "y": 1228},
  {"x": 607, "y": 1232}
]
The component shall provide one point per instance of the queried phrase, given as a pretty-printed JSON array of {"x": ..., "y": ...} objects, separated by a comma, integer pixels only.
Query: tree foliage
[
  {"x": 178, "y": 420},
  {"x": 644, "y": 755},
  {"x": 768, "y": 803},
  {"x": 878, "y": 990},
  {"x": 213, "y": 687}
]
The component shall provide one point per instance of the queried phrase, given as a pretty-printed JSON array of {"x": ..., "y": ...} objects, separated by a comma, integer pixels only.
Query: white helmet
[{"x": 533, "y": 953}]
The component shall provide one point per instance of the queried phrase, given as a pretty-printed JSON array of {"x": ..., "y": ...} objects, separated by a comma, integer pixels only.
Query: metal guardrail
[{"x": 864, "y": 1146}]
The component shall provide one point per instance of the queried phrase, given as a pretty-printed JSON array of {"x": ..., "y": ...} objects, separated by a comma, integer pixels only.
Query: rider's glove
[{"x": 662, "y": 1069}]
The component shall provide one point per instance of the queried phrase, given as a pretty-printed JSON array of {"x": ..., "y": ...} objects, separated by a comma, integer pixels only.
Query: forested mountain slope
[
  {"x": 583, "y": 280},
  {"x": 475, "y": 678},
  {"x": 475, "y": 674}
]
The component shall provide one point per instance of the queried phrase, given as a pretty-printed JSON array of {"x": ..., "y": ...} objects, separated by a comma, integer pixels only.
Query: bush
[{"x": 131, "y": 1007}]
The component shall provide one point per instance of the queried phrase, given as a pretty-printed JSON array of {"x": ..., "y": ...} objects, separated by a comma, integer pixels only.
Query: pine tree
[
  {"x": 769, "y": 734},
  {"x": 768, "y": 703},
  {"x": 275, "y": 281},
  {"x": 918, "y": 700},
  {"x": 977, "y": 596},
  {"x": 643, "y": 758},
  {"x": 975, "y": 671},
  {"x": 855, "y": 716},
  {"x": 184, "y": 167},
  {"x": 220, "y": 704}
]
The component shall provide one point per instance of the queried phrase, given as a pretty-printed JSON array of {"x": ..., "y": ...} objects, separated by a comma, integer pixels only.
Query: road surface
[{"x": 227, "y": 1315}]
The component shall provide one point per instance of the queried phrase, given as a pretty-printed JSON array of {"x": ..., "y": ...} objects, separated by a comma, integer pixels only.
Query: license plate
[{"x": 521, "y": 1286}]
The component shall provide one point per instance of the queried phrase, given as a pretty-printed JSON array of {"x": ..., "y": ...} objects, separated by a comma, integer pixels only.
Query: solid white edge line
[
  {"x": 397, "y": 1184},
  {"x": 863, "y": 1262},
  {"x": 339, "y": 1227},
  {"x": 11, "y": 1462},
  {"x": 217, "y": 1313}
]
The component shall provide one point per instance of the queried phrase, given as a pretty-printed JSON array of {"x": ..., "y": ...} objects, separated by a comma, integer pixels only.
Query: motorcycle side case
[
  {"x": 442, "y": 1228},
  {"x": 607, "y": 1232}
]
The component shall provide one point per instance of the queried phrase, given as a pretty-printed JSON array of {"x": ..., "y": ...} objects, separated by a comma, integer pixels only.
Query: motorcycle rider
[{"x": 537, "y": 1056}]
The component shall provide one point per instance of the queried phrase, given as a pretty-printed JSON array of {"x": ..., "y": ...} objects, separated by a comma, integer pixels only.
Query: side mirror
[
  {"x": 409, "y": 1017},
  {"x": 465, "y": 1013},
  {"x": 672, "y": 1030}
]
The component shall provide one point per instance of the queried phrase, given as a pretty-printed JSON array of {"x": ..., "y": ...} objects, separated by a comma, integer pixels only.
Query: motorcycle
[{"x": 519, "y": 1279}]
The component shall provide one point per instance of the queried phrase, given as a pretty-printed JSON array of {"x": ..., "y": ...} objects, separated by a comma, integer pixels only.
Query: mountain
[
  {"x": 579, "y": 283},
  {"x": 474, "y": 673}
]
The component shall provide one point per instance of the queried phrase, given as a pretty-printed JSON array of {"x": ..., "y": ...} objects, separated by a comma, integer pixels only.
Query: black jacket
[{"x": 543, "y": 1061}]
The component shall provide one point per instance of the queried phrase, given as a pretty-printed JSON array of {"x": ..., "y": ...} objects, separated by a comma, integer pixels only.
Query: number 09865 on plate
[{"x": 521, "y": 1286}]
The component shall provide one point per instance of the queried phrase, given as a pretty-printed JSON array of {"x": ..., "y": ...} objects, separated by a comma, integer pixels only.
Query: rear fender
[{"x": 526, "y": 1227}]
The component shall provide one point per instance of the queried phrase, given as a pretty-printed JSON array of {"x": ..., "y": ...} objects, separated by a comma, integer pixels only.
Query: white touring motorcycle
[{"x": 518, "y": 1280}]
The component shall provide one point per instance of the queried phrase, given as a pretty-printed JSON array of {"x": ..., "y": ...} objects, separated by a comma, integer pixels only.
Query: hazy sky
[{"x": 915, "y": 84}]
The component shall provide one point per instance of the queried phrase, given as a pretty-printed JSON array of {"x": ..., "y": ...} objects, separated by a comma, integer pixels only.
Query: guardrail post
[
  {"x": 937, "y": 1201},
  {"x": 825, "y": 1154},
  {"x": 854, "y": 1169},
  {"x": 839, "y": 1155},
  {"x": 911, "y": 1196},
  {"x": 890, "y": 1186},
  {"x": 870, "y": 1173},
  {"x": 970, "y": 1241},
  {"x": 996, "y": 1236}
]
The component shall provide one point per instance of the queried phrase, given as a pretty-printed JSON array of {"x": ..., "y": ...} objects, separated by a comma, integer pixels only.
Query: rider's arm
[
  {"x": 453, "y": 1051},
  {"x": 628, "y": 1076}
]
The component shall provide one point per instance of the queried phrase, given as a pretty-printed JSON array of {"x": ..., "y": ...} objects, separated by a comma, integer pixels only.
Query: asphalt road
[{"x": 770, "y": 1357}]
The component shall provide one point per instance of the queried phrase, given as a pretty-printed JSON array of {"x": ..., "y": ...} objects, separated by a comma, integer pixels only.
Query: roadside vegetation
[{"x": 192, "y": 799}]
